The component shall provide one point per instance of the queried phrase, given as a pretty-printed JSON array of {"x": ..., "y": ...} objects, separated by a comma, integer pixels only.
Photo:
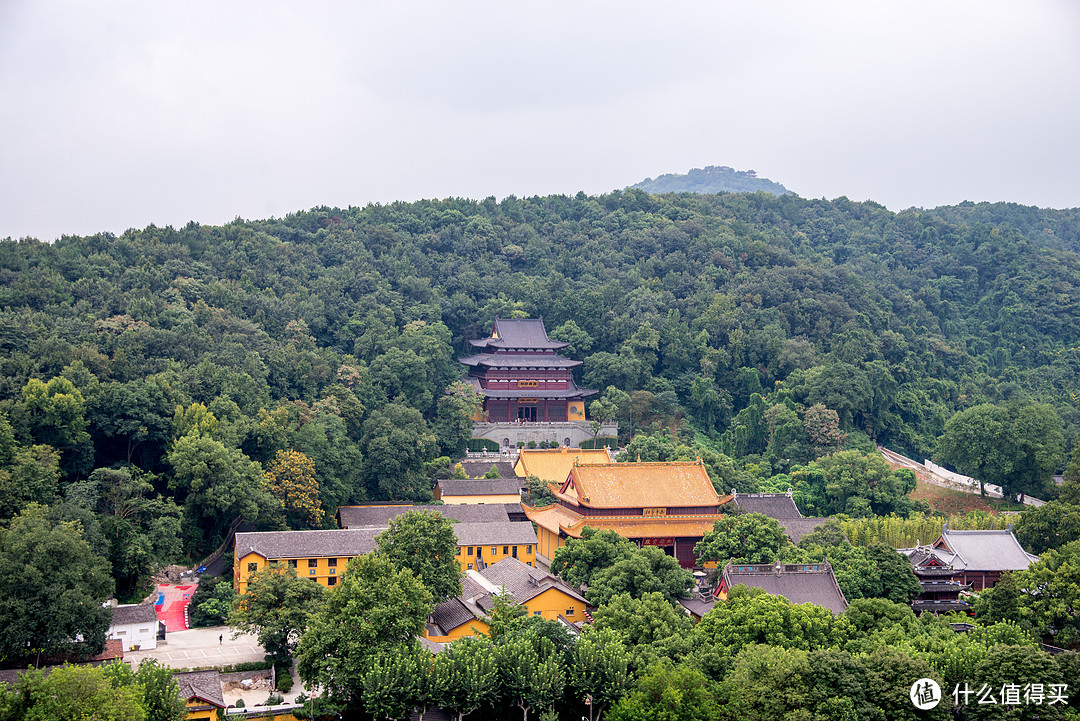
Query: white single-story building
[{"x": 136, "y": 626}]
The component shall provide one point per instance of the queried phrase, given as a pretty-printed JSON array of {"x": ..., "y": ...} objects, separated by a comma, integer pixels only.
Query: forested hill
[
  {"x": 709, "y": 180},
  {"x": 334, "y": 332}
]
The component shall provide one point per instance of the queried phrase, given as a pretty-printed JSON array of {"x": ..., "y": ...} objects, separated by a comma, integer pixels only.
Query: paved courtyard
[{"x": 200, "y": 647}]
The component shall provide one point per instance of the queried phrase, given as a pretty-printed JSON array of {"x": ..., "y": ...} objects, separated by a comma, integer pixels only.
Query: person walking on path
[{"x": 219, "y": 638}]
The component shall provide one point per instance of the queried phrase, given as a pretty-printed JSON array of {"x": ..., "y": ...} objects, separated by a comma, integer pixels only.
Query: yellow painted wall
[
  {"x": 462, "y": 500},
  {"x": 203, "y": 713},
  {"x": 472, "y": 628},
  {"x": 573, "y": 406},
  {"x": 553, "y": 602},
  {"x": 525, "y": 554},
  {"x": 548, "y": 542},
  {"x": 322, "y": 572}
]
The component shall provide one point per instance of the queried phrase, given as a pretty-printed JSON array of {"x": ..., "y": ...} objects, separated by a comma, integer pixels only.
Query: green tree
[
  {"x": 376, "y": 606},
  {"x": 32, "y": 475},
  {"x": 56, "y": 414},
  {"x": 142, "y": 530},
  {"x": 453, "y": 425},
  {"x": 645, "y": 570},
  {"x": 1070, "y": 489},
  {"x": 52, "y": 586},
  {"x": 395, "y": 444},
  {"x": 650, "y": 627},
  {"x": 277, "y": 608},
  {"x": 530, "y": 672},
  {"x": 750, "y": 616},
  {"x": 160, "y": 692},
  {"x": 578, "y": 560},
  {"x": 840, "y": 386},
  {"x": 1016, "y": 447},
  {"x": 398, "y": 681},
  {"x": 424, "y": 543},
  {"x": 862, "y": 484},
  {"x": 1021, "y": 665},
  {"x": 598, "y": 668},
  {"x": 1042, "y": 528},
  {"x": 465, "y": 676},
  {"x": 75, "y": 693},
  {"x": 1053, "y": 598},
  {"x": 668, "y": 693},
  {"x": 218, "y": 484},
  {"x": 212, "y": 601},
  {"x": 746, "y": 537}
]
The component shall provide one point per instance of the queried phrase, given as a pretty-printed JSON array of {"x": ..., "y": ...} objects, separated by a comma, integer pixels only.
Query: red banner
[{"x": 658, "y": 542}]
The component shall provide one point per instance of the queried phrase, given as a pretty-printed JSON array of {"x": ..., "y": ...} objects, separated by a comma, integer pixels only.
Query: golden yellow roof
[
  {"x": 639, "y": 485},
  {"x": 563, "y": 521},
  {"x": 553, "y": 518},
  {"x": 554, "y": 464}
]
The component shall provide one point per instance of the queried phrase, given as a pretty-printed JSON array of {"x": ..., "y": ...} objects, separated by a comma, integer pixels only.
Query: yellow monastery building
[
  {"x": 485, "y": 535},
  {"x": 539, "y": 593},
  {"x": 669, "y": 505}
]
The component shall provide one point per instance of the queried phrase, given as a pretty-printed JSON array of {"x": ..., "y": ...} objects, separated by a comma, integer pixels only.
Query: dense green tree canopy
[
  {"x": 746, "y": 537},
  {"x": 425, "y": 544},
  {"x": 377, "y": 606},
  {"x": 52, "y": 586}
]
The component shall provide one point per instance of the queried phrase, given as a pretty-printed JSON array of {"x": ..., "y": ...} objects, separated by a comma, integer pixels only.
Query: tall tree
[
  {"x": 277, "y": 608},
  {"x": 291, "y": 477},
  {"x": 746, "y": 537},
  {"x": 56, "y": 415},
  {"x": 598, "y": 670},
  {"x": 580, "y": 559},
  {"x": 465, "y": 676},
  {"x": 218, "y": 484},
  {"x": 377, "y": 606},
  {"x": 395, "y": 445},
  {"x": 52, "y": 586},
  {"x": 424, "y": 543}
]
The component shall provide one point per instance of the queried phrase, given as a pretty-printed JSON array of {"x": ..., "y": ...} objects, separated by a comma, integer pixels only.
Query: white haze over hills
[{"x": 120, "y": 114}]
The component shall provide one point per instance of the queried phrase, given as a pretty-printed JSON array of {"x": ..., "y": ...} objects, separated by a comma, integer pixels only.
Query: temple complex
[{"x": 669, "y": 505}]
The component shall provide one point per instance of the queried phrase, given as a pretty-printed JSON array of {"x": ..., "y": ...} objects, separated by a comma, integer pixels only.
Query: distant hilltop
[{"x": 711, "y": 179}]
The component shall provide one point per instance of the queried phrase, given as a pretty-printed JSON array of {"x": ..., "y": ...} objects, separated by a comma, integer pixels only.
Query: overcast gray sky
[{"x": 120, "y": 114}]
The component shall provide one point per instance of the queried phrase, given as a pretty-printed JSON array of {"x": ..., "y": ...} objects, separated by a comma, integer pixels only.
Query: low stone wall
[{"x": 571, "y": 433}]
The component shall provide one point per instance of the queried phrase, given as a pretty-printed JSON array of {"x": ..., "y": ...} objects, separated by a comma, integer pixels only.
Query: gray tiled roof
[
  {"x": 697, "y": 605},
  {"x": 449, "y": 615},
  {"x": 773, "y": 505},
  {"x": 380, "y": 516},
  {"x": 519, "y": 333},
  {"x": 572, "y": 392},
  {"x": 495, "y": 534},
  {"x": 307, "y": 544},
  {"x": 987, "y": 550},
  {"x": 796, "y": 528},
  {"x": 205, "y": 685},
  {"x": 131, "y": 614},
  {"x": 524, "y": 582},
  {"x": 477, "y": 467},
  {"x": 790, "y": 581},
  {"x": 505, "y": 360},
  {"x": 481, "y": 487}
]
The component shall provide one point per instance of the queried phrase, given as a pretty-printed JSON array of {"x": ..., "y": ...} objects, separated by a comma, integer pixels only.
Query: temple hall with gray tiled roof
[
  {"x": 380, "y": 516},
  {"x": 799, "y": 583}
]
